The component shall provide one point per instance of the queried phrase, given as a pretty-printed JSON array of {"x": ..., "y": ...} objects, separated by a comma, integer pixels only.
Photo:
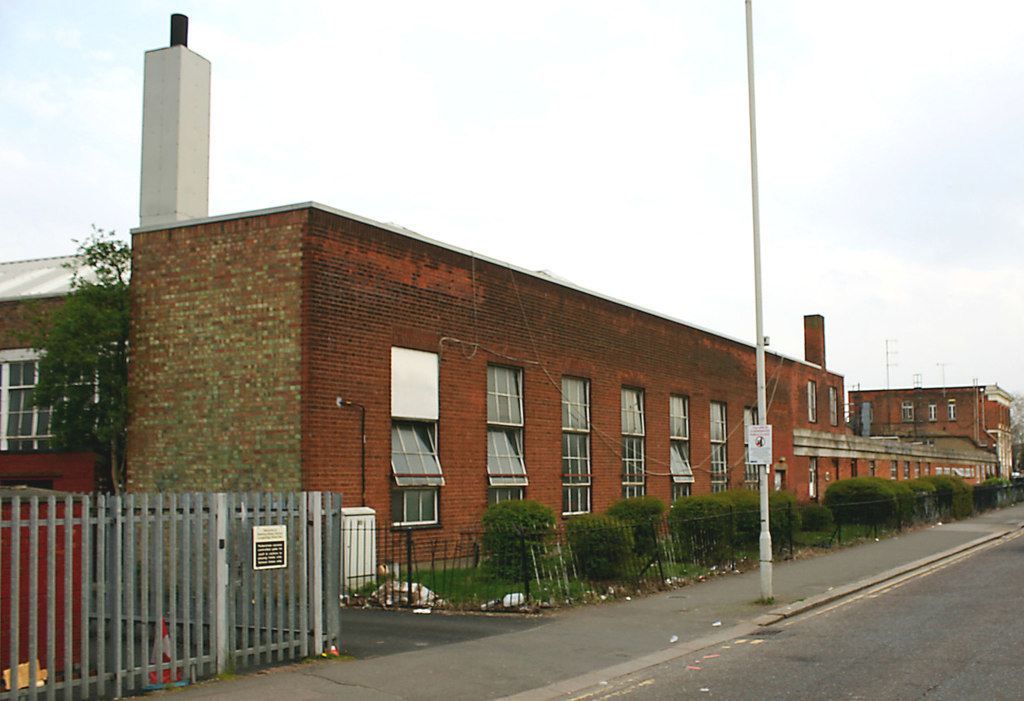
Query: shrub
[
  {"x": 601, "y": 546},
  {"x": 924, "y": 499},
  {"x": 643, "y": 514},
  {"x": 509, "y": 525},
  {"x": 953, "y": 493},
  {"x": 817, "y": 518},
  {"x": 745, "y": 512},
  {"x": 785, "y": 518},
  {"x": 701, "y": 527},
  {"x": 919, "y": 484},
  {"x": 862, "y": 500},
  {"x": 906, "y": 500}
]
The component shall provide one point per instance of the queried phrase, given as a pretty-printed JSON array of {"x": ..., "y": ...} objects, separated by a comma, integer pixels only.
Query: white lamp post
[{"x": 762, "y": 405}]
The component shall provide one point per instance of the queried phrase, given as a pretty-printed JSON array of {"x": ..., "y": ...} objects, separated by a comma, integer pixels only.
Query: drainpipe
[{"x": 362, "y": 453}]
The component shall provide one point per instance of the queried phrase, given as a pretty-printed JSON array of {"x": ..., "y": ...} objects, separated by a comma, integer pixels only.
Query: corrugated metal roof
[{"x": 45, "y": 277}]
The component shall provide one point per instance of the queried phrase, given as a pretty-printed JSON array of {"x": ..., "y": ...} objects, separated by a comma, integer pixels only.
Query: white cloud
[{"x": 606, "y": 142}]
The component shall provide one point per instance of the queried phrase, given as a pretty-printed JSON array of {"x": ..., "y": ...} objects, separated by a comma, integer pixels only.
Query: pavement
[{"x": 569, "y": 651}]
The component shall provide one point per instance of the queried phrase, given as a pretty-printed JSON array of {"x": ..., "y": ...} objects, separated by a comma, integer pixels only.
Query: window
[
  {"x": 679, "y": 445},
  {"x": 812, "y": 478},
  {"x": 414, "y": 454},
  {"x": 812, "y": 401},
  {"x": 833, "y": 406},
  {"x": 412, "y": 507},
  {"x": 506, "y": 470},
  {"x": 719, "y": 462},
  {"x": 894, "y": 468},
  {"x": 23, "y": 426},
  {"x": 633, "y": 463},
  {"x": 907, "y": 410},
  {"x": 575, "y": 446},
  {"x": 951, "y": 409},
  {"x": 750, "y": 470},
  {"x": 906, "y": 469},
  {"x": 933, "y": 411},
  {"x": 415, "y": 466}
]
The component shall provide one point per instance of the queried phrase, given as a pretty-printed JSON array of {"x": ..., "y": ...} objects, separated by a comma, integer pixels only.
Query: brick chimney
[
  {"x": 814, "y": 339},
  {"x": 175, "y": 132}
]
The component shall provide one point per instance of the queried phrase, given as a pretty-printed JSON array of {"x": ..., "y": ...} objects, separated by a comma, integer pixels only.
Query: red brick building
[
  {"x": 478, "y": 381},
  {"x": 975, "y": 416},
  {"x": 29, "y": 288}
]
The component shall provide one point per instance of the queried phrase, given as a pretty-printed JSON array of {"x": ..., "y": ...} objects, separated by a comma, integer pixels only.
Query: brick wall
[
  {"x": 215, "y": 379},
  {"x": 366, "y": 288},
  {"x": 16, "y": 315},
  {"x": 369, "y": 289},
  {"x": 974, "y": 413}
]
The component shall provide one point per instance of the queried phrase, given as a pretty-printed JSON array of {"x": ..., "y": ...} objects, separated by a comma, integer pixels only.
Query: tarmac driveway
[{"x": 368, "y": 633}]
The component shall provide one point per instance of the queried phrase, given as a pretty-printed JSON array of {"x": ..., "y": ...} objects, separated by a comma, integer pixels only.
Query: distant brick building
[
  {"x": 29, "y": 288},
  {"x": 977, "y": 416}
]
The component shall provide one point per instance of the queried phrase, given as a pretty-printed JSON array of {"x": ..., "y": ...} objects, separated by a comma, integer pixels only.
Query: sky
[{"x": 605, "y": 142}]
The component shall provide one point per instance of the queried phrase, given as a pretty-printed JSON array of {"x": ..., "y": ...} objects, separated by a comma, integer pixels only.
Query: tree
[{"x": 83, "y": 345}]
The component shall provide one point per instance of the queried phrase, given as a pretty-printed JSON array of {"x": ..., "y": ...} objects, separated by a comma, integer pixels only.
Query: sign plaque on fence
[{"x": 268, "y": 547}]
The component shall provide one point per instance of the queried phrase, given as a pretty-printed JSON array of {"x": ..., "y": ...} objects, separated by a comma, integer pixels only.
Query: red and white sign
[{"x": 759, "y": 445}]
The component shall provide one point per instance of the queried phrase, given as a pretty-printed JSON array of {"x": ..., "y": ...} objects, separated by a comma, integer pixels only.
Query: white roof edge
[
  {"x": 36, "y": 278},
  {"x": 402, "y": 231}
]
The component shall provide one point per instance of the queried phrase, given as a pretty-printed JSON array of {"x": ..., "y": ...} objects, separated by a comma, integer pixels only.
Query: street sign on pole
[{"x": 759, "y": 445}]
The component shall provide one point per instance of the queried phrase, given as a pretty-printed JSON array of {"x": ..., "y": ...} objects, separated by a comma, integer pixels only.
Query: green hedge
[
  {"x": 602, "y": 546},
  {"x": 644, "y": 515},
  {"x": 953, "y": 493},
  {"x": 701, "y": 527},
  {"x": 506, "y": 525},
  {"x": 708, "y": 525},
  {"x": 817, "y": 518},
  {"x": 863, "y": 500}
]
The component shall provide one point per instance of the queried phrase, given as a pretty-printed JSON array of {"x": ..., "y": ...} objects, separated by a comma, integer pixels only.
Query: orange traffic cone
[{"x": 162, "y": 649}]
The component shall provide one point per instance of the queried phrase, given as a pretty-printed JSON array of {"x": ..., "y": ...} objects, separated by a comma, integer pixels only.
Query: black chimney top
[{"x": 179, "y": 30}]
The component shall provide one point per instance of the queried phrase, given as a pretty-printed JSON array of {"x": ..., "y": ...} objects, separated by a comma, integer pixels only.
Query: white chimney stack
[{"x": 175, "y": 132}]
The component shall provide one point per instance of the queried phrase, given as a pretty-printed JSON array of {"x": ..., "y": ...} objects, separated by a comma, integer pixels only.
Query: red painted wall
[
  {"x": 65, "y": 472},
  {"x": 67, "y": 600}
]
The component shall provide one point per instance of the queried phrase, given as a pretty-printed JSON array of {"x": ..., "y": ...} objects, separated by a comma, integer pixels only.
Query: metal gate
[{"x": 107, "y": 596}]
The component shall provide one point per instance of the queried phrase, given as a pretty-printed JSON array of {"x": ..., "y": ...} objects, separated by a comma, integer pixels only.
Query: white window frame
[
  {"x": 812, "y": 401},
  {"x": 576, "y": 458},
  {"x": 812, "y": 478},
  {"x": 719, "y": 435},
  {"x": 951, "y": 409},
  {"x": 833, "y": 406},
  {"x": 907, "y": 411},
  {"x": 38, "y": 437},
  {"x": 415, "y": 462},
  {"x": 506, "y": 465},
  {"x": 633, "y": 433},
  {"x": 679, "y": 444},
  {"x": 407, "y": 506},
  {"x": 933, "y": 411}
]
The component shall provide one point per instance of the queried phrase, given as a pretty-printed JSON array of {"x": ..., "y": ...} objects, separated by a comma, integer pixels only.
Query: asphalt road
[
  {"x": 368, "y": 633},
  {"x": 950, "y": 633}
]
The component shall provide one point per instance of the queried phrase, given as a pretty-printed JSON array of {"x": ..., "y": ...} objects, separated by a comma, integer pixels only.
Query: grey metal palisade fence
[{"x": 104, "y": 596}]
